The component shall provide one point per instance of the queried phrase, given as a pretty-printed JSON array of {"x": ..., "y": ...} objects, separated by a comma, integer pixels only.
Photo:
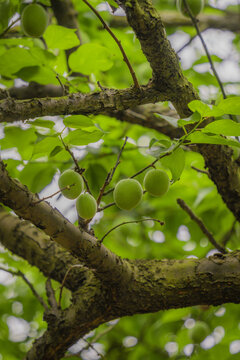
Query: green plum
[
  {"x": 156, "y": 182},
  {"x": 127, "y": 194},
  {"x": 34, "y": 20},
  {"x": 86, "y": 206},
  {"x": 195, "y": 6},
  {"x": 74, "y": 181}
]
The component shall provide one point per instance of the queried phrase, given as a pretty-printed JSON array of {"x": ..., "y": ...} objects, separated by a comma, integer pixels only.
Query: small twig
[
  {"x": 51, "y": 295},
  {"x": 125, "y": 58},
  {"x": 63, "y": 282},
  {"x": 50, "y": 196},
  {"x": 200, "y": 170},
  {"x": 195, "y": 23},
  {"x": 20, "y": 274},
  {"x": 9, "y": 27},
  {"x": 129, "y": 222},
  {"x": 79, "y": 170},
  {"x": 226, "y": 237},
  {"x": 61, "y": 84},
  {"x": 111, "y": 173},
  {"x": 106, "y": 206},
  {"x": 93, "y": 348},
  {"x": 187, "y": 44},
  {"x": 200, "y": 223}
]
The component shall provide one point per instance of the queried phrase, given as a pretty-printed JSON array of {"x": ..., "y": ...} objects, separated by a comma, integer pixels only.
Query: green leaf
[
  {"x": 90, "y": 58},
  {"x": 43, "y": 123},
  {"x": 56, "y": 150},
  {"x": 36, "y": 176},
  {"x": 78, "y": 121},
  {"x": 59, "y": 37},
  {"x": 199, "y": 137},
  {"x": 96, "y": 175},
  {"x": 204, "y": 109},
  {"x": 81, "y": 137},
  {"x": 195, "y": 117},
  {"x": 224, "y": 127},
  {"x": 39, "y": 74},
  {"x": 23, "y": 140},
  {"x": 22, "y": 58},
  {"x": 175, "y": 162},
  {"x": 46, "y": 145},
  {"x": 230, "y": 105}
]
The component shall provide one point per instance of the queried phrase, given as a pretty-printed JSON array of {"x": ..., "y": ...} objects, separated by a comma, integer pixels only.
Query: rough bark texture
[{"x": 25, "y": 240}]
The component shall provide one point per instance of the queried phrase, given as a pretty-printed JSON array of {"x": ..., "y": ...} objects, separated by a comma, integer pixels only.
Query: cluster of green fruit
[
  {"x": 195, "y": 6},
  {"x": 72, "y": 186},
  {"x": 127, "y": 193},
  {"x": 34, "y": 20}
]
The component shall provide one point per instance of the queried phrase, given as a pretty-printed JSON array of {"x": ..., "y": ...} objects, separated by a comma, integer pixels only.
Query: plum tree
[
  {"x": 127, "y": 194},
  {"x": 156, "y": 182},
  {"x": 86, "y": 206},
  {"x": 34, "y": 20},
  {"x": 195, "y": 6},
  {"x": 199, "y": 332},
  {"x": 74, "y": 181}
]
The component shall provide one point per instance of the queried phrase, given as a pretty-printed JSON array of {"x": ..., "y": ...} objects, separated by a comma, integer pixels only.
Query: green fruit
[
  {"x": 199, "y": 332},
  {"x": 156, "y": 182},
  {"x": 74, "y": 181},
  {"x": 195, "y": 6},
  {"x": 34, "y": 20},
  {"x": 86, "y": 206},
  {"x": 127, "y": 194}
]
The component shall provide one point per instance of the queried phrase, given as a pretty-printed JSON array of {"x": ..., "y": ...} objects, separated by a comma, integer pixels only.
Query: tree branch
[{"x": 25, "y": 240}]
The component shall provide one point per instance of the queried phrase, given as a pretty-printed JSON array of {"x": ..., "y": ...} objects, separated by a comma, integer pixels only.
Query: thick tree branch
[
  {"x": 167, "y": 74},
  {"x": 23, "y": 239},
  {"x": 94, "y": 103},
  {"x": 156, "y": 285}
]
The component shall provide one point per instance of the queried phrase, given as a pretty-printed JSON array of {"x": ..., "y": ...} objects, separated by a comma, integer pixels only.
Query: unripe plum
[
  {"x": 127, "y": 194},
  {"x": 195, "y": 6},
  {"x": 86, "y": 206},
  {"x": 74, "y": 181},
  {"x": 199, "y": 332},
  {"x": 156, "y": 182},
  {"x": 34, "y": 20}
]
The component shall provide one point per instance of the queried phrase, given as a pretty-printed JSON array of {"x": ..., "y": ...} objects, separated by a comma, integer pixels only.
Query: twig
[
  {"x": 61, "y": 84},
  {"x": 129, "y": 222},
  {"x": 200, "y": 170},
  {"x": 93, "y": 348},
  {"x": 79, "y": 170},
  {"x": 19, "y": 273},
  {"x": 63, "y": 282},
  {"x": 106, "y": 206},
  {"x": 125, "y": 58},
  {"x": 51, "y": 295},
  {"x": 200, "y": 223},
  {"x": 195, "y": 23},
  {"x": 187, "y": 44},
  {"x": 111, "y": 173},
  {"x": 50, "y": 196},
  {"x": 9, "y": 27},
  {"x": 226, "y": 237}
]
